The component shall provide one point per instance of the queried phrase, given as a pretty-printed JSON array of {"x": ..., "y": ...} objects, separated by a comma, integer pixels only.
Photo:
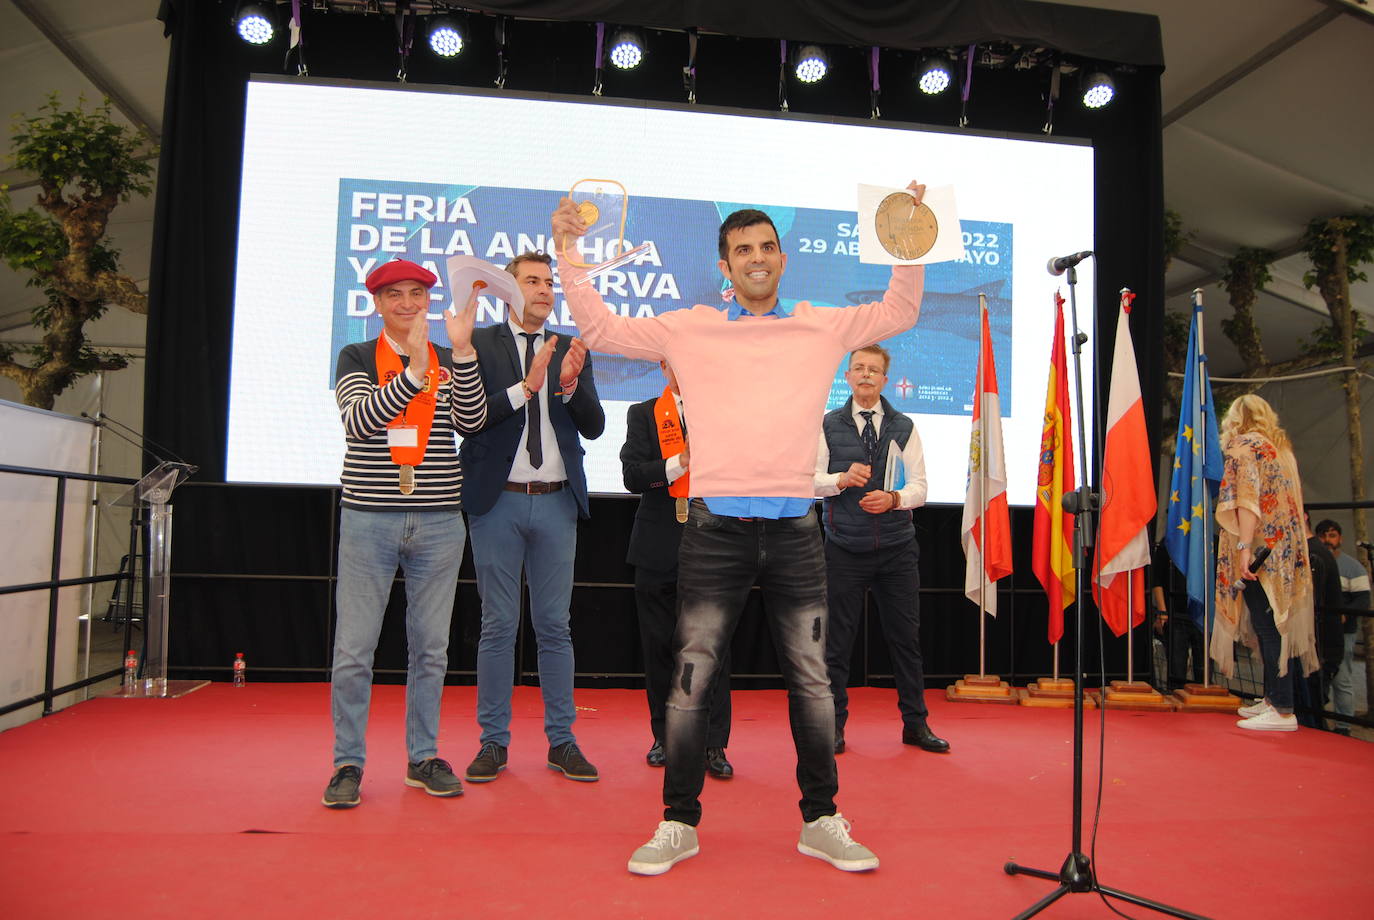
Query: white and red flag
[
  {"x": 1128, "y": 491},
  {"x": 987, "y": 524}
]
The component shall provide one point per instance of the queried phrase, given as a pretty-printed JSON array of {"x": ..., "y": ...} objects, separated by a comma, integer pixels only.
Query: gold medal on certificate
[
  {"x": 682, "y": 509},
  {"x": 905, "y": 229},
  {"x": 407, "y": 479}
]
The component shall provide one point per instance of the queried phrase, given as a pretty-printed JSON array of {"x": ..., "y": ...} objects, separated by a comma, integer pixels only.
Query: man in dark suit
[
  {"x": 524, "y": 492},
  {"x": 655, "y": 462}
]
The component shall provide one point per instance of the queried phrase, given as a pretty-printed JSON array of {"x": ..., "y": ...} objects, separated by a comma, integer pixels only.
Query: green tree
[
  {"x": 1338, "y": 246},
  {"x": 85, "y": 165}
]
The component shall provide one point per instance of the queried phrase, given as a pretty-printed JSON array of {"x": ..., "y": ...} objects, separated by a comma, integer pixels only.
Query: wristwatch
[{"x": 1242, "y": 545}]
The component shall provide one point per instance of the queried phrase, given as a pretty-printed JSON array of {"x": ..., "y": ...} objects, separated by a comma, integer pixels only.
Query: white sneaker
[
  {"x": 1258, "y": 707},
  {"x": 1270, "y": 721},
  {"x": 671, "y": 843},
  {"x": 828, "y": 838}
]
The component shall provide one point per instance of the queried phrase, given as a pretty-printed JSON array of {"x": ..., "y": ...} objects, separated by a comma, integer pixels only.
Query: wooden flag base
[
  {"x": 980, "y": 688},
  {"x": 1137, "y": 695},
  {"x": 1051, "y": 693},
  {"x": 1210, "y": 698}
]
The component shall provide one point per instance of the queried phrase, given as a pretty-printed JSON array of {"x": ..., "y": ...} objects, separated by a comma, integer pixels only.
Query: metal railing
[{"x": 56, "y": 583}]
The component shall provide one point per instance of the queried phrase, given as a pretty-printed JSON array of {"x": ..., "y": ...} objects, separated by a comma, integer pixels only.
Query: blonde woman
[{"x": 1260, "y": 505}]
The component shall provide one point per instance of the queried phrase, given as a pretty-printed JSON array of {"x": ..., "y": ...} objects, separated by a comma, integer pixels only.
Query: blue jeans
[
  {"x": 1343, "y": 684},
  {"x": 428, "y": 547},
  {"x": 538, "y": 533},
  {"x": 720, "y": 560},
  {"x": 1277, "y": 690}
]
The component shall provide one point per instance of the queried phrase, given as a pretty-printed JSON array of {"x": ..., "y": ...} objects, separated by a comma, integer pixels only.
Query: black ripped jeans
[{"x": 721, "y": 559}]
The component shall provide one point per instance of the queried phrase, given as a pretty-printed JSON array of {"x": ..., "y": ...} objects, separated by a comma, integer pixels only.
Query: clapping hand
[
  {"x": 539, "y": 367},
  {"x": 573, "y": 362},
  {"x": 458, "y": 322},
  {"x": 417, "y": 345}
]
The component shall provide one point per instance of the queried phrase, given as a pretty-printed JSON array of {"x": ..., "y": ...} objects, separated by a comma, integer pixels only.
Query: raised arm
[
  {"x": 872, "y": 322},
  {"x": 634, "y": 337},
  {"x": 467, "y": 397}
]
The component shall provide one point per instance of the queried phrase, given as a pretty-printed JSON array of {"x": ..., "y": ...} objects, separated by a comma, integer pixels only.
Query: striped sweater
[{"x": 370, "y": 478}]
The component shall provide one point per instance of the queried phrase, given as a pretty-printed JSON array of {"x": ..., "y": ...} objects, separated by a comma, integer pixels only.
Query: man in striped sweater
[{"x": 401, "y": 398}]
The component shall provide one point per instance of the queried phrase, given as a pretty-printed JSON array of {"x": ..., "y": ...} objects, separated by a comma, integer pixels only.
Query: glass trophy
[{"x": 603, "y": 205}]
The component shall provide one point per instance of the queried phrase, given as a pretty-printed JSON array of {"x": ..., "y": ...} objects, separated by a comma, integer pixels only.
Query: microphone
[
  {"x": 1257, "y": 560},
  {"x": 1060, "y": 264}
]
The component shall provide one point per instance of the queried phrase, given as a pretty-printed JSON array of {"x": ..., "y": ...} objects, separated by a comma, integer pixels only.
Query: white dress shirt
[
  {"x": 522, "y": 469},
  {"x": 911, "y": 495}
]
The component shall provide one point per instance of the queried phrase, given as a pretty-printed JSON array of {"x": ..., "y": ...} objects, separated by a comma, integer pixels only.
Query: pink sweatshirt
[{"x": 753, "y": 390}]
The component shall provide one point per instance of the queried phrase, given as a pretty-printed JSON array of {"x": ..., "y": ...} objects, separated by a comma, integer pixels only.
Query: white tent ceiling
[{"x": 1267, "y": 107}]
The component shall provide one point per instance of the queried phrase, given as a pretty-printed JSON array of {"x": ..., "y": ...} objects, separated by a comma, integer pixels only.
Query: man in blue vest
[{"x": 870, "y": 542}]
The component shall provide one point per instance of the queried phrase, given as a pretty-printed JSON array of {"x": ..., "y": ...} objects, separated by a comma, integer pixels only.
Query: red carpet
[{"x": 208, "y": 806}]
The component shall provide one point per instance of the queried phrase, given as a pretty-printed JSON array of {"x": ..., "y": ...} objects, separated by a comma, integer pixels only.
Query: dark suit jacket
[
  {"x": 488, "y": 455},
  {"x": 656, "y": 535}
]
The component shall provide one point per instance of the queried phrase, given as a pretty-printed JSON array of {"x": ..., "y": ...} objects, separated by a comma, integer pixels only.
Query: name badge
[{"x": 403, "y": 436}]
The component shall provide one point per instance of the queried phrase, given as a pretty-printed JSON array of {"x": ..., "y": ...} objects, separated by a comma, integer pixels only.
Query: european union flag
[{"x": 1196, "y": 477}]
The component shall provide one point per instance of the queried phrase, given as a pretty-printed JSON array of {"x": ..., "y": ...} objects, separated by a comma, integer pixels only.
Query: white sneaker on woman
[
  {"x": 1257, "y": 708},
  {"x": 1271, "y": 721}
]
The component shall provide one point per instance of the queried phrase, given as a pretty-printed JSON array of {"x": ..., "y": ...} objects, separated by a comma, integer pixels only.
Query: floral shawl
[{"x": 1264, "y": 480}]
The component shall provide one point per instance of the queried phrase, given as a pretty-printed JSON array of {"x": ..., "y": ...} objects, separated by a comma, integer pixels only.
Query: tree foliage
[{"x": 85, "y": 165}]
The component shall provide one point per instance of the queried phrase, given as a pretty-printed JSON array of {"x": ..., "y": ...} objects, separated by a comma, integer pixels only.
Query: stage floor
[{"x": 209, "y": 806}]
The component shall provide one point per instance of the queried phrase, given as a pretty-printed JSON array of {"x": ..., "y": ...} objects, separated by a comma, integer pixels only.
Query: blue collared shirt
[{"x": 756, "y": 507}]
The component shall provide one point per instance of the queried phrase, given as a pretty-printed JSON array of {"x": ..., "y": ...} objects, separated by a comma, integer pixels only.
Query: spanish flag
[{"x": 1052, "y": 552}]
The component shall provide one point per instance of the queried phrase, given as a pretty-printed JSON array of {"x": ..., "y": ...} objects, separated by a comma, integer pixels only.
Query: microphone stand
[{"x": 1076, "y": 875}]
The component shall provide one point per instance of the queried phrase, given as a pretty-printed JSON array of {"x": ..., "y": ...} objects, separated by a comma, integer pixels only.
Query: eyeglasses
[{"x": 867, "y": 370}]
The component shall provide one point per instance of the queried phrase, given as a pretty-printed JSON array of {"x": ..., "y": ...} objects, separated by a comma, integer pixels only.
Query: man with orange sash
[
  {"x": 401, "y": 398},
  {"x": 655, "y": 462}
]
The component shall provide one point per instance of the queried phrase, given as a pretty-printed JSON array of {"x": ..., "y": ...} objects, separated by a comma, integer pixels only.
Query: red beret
[{"x": 396, "y": 271}]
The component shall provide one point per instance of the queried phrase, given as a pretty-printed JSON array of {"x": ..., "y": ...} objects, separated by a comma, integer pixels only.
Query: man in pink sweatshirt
[{"x": 754, "y": 379}]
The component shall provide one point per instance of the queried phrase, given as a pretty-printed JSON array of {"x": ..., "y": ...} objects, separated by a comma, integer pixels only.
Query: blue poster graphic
[{"x": 933, "y": 364}]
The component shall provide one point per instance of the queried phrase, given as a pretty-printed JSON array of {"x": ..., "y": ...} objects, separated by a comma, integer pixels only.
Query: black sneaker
[
  {"x": 342, "y": 791},
  {"x": 488, "y": 763},
  {"x": 567, "y": 758},
  {"x": 434, "y": 776}
]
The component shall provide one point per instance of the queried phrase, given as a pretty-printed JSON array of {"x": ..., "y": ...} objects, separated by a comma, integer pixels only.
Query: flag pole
[
  {"x": 1208, "y": 556},
  {"x": 1130, "y": 626},
  {"x": 983, "y": 492}
]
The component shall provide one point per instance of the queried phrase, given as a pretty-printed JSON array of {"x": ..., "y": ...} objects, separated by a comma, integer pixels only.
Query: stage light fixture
[
  {"x": 445, "y": 38},
  {"x": 627, "y": 49},
  {"x": 935, "y": 76},
  {"x": 1098, "y": 90},
  {"x": 253, "y": 23},
  {"x": 812, "y": 64}
]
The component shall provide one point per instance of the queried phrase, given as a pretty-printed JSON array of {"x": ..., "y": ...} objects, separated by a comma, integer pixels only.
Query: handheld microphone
[
  {"x": 1060, "y": 264},
  {"x": 1258, "y": 558}
]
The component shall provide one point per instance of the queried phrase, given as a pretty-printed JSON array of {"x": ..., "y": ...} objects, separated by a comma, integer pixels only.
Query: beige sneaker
[
  {"x": 671, "y": 844},
  {"x": 828, "y": 838}
]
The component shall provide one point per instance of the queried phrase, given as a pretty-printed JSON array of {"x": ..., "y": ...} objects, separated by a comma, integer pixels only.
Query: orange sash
[
  {"x": 670, "y": 438},
  {"x": 420, "y": 411}
]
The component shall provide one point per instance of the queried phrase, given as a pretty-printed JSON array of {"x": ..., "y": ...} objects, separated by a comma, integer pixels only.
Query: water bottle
[
  {"x": 240, "y": 670},
  {"x": 130, "y": 671}
]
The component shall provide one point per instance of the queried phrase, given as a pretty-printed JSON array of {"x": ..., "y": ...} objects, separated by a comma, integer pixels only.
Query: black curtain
[{"x": 253, "y": 563}]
